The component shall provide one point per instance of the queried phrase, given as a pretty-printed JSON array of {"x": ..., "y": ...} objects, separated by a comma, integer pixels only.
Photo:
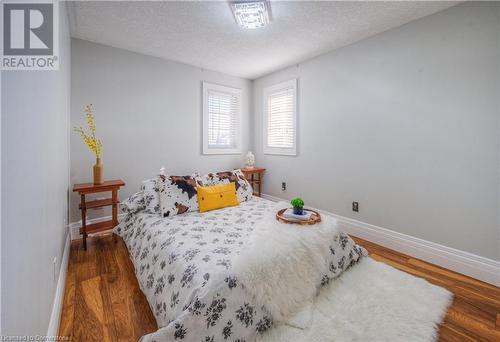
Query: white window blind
[
  {"x": 280, "y": 126},
  {"x": 221, "y": 119},
  {"x": 280, "y": 122}
]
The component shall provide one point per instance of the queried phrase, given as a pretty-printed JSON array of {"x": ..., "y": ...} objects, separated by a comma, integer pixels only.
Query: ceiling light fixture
[{"x": 251, "y": 14}]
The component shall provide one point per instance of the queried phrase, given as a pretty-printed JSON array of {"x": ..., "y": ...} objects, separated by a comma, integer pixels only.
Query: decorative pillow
[
  {"x": 178, "y": 194},
  {"x": 244, "y": 190},
  {"x": 133, "y": 203},
  {"x": 151, "y": 193},
  {"x": 217, "y": 197}
]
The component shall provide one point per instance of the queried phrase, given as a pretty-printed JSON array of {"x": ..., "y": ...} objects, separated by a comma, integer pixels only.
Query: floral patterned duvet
[{"x": 183, "y": 265}]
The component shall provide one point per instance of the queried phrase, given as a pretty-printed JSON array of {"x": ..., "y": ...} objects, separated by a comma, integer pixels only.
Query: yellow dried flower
[{"x": 90, "y": 140}]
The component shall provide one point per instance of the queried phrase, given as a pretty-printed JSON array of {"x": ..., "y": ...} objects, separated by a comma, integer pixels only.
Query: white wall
[
  {"x": 498, "y": 98},
  {"x": 406, "y": 123},
  {"x": 148, "y": 114},
  {"x": 35, "y": 181}
]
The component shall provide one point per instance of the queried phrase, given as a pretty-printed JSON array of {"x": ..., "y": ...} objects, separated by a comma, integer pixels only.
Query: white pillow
[
  {"x": 133, "y": 203},
  {"x": 151, "y": 193}
]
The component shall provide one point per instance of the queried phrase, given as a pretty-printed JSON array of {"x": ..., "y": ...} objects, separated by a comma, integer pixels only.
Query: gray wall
[
  {"x": 148, "y": 114},
  {"x": 406, "y": 123},
  {"x": 35, "y": 181}
]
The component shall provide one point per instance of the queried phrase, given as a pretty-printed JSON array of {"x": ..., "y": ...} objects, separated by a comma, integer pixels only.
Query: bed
[{"x": 233, "y": 273}]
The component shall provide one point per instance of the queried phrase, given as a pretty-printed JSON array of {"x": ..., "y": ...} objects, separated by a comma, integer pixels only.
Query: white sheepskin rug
[{"x": 370, "y": 302}]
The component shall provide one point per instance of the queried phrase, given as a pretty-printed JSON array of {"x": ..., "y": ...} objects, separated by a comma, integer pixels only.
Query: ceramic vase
[{"x": 98, "y": 172}]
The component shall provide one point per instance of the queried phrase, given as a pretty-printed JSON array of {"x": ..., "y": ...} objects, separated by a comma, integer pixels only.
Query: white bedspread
[{"x": 206, "y": 276}]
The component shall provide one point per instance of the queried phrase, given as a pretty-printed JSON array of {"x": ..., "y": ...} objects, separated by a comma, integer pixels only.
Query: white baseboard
[
  {"x": 74, "y": 227},
  {"x": 55, "y": 316},
  {"x": 472, "y": 265}
]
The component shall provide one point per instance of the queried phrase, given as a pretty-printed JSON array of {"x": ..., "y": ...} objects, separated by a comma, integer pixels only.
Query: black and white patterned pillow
[
  {"x": 151, "y": 193},
  {"x": 244, "y": 190},
  {"x": 178, "y": 194},
  {"x": 133, "y": 203}
]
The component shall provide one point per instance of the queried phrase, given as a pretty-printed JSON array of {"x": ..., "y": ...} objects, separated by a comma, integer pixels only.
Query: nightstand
[
  {"x": 254, "y": 177},
  {"x": 90, "y": 188}
]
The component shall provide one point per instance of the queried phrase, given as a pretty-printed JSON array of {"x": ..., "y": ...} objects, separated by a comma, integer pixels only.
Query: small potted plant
[{"x": 298, "y": 206}]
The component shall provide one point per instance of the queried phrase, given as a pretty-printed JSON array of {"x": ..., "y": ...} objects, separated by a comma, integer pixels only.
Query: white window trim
[
  {"x": 278, "y": 150},
  {"x": 235, "y": 91}
]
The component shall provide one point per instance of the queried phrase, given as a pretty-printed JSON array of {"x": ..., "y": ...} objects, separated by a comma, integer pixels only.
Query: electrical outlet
[
  {"x": 355, "y": 206},
  {"x": 283, "y": 186}
]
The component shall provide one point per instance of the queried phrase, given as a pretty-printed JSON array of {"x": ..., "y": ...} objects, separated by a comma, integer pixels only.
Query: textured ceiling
[{"x": 204, "y": 34}]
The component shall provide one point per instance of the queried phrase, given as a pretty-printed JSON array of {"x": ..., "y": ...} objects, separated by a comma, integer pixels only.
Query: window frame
[
  {"x": 206, "y": 149},
  {"x": 292, "y": 151}
]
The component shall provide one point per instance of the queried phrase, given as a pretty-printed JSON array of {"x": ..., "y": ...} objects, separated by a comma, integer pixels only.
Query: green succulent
[{"x": 297, "y": 202}]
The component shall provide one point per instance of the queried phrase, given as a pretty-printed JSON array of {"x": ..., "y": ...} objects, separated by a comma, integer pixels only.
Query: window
[
  {"x": 221, "y": 119},
  {"x": 280, "y": 119}
]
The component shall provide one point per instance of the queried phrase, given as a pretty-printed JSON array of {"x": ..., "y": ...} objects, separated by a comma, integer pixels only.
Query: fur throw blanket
[{"x": 284, "y": 265}]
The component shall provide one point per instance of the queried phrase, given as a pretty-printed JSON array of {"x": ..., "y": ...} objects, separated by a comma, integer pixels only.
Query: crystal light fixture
[{"x": 251, "y": 14}]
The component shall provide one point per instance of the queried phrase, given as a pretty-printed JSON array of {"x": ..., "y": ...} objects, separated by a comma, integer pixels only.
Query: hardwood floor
[
  {"x": 102, "y": 299},
  {"x": 103, "y": 302}
]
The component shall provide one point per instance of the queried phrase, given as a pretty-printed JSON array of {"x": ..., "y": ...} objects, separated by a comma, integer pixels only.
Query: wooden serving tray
[{"x": 315, "y": 218}]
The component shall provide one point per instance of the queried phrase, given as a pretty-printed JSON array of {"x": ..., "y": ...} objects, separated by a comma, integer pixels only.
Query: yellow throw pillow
[{"x": 217, "y": 197}]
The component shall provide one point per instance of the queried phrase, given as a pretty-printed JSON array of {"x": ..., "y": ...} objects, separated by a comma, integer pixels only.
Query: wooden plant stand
[{"x": 90, "y": 188}]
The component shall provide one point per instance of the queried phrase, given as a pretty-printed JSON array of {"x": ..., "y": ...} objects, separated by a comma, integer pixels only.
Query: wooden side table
[
  {"x": 254, "y": 177},
  {"x": 90, "y": 188}
]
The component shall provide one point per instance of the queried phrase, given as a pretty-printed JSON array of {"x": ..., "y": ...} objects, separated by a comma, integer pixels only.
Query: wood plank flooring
[{"x": 103, "y": 302}]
